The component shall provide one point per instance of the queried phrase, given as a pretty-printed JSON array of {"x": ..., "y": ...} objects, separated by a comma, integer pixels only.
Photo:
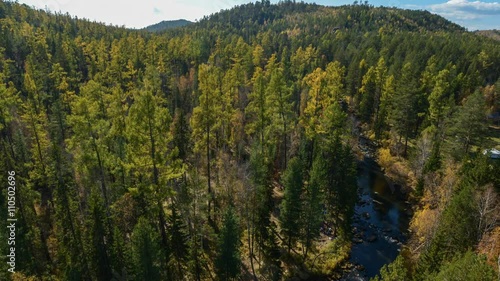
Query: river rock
[{"x": 391, "y": 239}]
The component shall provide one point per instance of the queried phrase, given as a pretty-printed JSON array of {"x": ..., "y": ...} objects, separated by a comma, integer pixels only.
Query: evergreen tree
[
  {"x": 203, "y": 119},
  {"x": 470, "y": 266},
  {"x": 291, "y": 208},
  {"x": 439, "y": 98},
  {"x": 150, "y": 158},
  {"x": 280, "y": 106},
  {"x": 228, "y": 260},
  {"x": 178, "y": 242},
  {"x": 258, "y": 110},
  {"x": 98, "y": 249},
  {"x": 145, "y": 252},
  {"x": 452, "y": 236},
  {"x": 404, "y": 113},
  {"x": 313, "y": 209},
  {"x": 386, "y": 104},
  {"x": 180, "y": 134},
  {"x": 367, "y": 92},
  {"x": 395, "y": 271},
  {"x": 468, "y": 127}
]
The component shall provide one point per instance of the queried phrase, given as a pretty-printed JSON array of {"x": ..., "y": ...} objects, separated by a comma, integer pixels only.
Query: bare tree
[{"x": 488, "y": 209}]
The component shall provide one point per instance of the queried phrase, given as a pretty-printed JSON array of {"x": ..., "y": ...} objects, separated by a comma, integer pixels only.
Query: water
[{"x": 380, "y": 223}]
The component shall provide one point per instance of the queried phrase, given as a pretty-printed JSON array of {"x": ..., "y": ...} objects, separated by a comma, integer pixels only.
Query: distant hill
[
  {"x": 167, "y": 24},
  {"x": 302, "y": 16},
  {"x": 493, "y": 34}
]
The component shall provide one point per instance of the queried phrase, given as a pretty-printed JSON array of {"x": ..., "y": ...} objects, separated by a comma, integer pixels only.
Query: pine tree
[
  {"x": 257, "y": 109},
  {"x": 228, "y": 118},
  {"x": 228, "y": 260},
  {"x": 180, "y": 134},
  {"x": 452, "y": 236},
  {"x": 468, "y": 124},
  {"x": 386, "y": 104},
  {"x": 280, "y": 106},
  {"x": 204, "y": 118},
  {"x": 404, "y": 112},
  {"x": 313, "y": 210},
  {"x": 150, "y": 158},
  {"x": 89, "y": 125},
  {"x": 291, "y": 208},
  {"x": 395, "y": 271},
  {"x": 367, "y": 92},
  {"x": 178, "y": 242},
  {"x": 120, "y": 254},
  {"x": 470, "y": 266},
  {"x": 97, "y": 236},
  {"x": 145, "y": 250}
]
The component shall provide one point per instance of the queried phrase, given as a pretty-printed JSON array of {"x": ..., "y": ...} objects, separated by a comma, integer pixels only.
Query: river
[
  {"x": 380, "y": 223},
  {"x": 381, "y": 220}
]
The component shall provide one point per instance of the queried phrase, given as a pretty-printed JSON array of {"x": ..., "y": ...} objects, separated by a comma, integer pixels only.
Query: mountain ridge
[{"x": 167, "y": 24}]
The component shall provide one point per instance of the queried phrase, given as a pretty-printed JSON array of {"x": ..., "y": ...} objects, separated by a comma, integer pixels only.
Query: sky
[{"x": 480, "y": 14}]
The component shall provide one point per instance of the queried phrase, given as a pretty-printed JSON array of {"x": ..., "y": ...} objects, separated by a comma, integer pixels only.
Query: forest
[{"x": 219, "y": 150}]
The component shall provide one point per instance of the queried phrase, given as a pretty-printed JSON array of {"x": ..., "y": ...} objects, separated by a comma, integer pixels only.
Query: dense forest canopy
[{"x": 218, "y": 150}]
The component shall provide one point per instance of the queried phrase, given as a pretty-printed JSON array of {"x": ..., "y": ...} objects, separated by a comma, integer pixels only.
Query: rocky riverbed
[{"x": 380, "y": 222}]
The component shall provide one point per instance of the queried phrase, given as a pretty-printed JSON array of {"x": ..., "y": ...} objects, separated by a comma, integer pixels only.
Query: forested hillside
[
  {"x": 493, "y": 34},
  {"x": 220, "y": 150},
  {"x": 167, "y": 24}
]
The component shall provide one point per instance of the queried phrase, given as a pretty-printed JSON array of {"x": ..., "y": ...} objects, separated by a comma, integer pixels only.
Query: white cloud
[{"x": 466, "y": 10}]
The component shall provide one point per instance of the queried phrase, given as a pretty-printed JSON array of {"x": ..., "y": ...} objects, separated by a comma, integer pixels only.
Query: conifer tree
[
  {"x": 145, "y": 250},
  {"x": 97, "y": 236},
  {"x": 228, "y": 260},
  {"x": 257, "y": 109},
  {"x": 394, "y": 271},
  {"x": 404, "y": 112},
  {"x": 468, "y": 127},
  {"x": 291, "y": 208},
  {"x": 178, "y": 242},
  {"x": 151, "y": 156},
  {"x": 386, "y": 104},
  {"x": 313, "y": 211},
  {"x": 280, "y": 106},
  {"x": 204, "y": 118}
]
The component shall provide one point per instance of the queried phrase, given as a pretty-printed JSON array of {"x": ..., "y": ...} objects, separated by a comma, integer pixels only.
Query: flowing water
[{"x": 380, "y": 223}]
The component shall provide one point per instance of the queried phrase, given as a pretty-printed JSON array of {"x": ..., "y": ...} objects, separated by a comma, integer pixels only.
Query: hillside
[
  {"x": 357, "y": 17},
  {"x": 167, "y": 24},
  {"x": 493, "y": 34},
  {"x": 248, "y": 146}
]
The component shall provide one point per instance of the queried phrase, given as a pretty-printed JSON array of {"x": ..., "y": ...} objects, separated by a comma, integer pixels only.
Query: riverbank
[{"x": 380, "y": 224}]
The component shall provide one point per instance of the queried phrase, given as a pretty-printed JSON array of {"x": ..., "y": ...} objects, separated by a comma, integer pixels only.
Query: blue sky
[{"x": 472, "y": 14}]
